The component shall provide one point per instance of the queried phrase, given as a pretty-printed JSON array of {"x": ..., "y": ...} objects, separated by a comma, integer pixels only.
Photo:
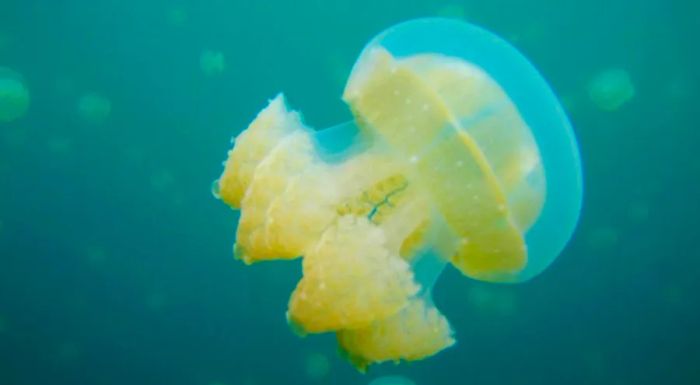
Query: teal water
[{"x": 115, "y": 260}]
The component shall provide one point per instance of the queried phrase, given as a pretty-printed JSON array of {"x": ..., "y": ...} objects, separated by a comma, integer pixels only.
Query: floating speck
[
  {"x": 603, "y": 237},
  {"x": 156, "y": 300},
  {"x": 95, "y": 255},
  {"x": 59, "y": 145},
  {"x": 317, "y": 366},
  {"x": 212, "y": 62},
  {"x": 177, "y": 15},
  {"x": 492, "y": 300},
  {"x": 454, "y": 11},
  {"x": 68, "y": 352},
  {"x": 14, "y": 96},
  {"x": 94, "y": 107},
  {"x": 611, "y": 89},
  {"x": 638, "y": 211},
  {"x": 162, "y": 180}
]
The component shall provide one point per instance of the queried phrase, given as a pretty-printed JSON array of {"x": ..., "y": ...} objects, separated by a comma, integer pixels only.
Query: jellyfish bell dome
[
  {"x": 459, "y": 153},
  {"x": 14, "y": 96},
  {"x": 514, "y": 118}
]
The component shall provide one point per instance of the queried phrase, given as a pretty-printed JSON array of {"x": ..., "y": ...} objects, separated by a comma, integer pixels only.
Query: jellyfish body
[
  {"x": 14, "y": 96},
  {"x": 459, "y": 154}
]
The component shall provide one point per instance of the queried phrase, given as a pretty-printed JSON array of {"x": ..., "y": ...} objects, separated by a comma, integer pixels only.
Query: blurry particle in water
[
  {"x": 134, "y": 155},
  {"x": 679, "y": 88},
  {"x": 156, "y": 301},
  {"x": 317, "y": 366},
  {"x": 532, "y": 33},
  {"x": 392, "y": 380},
  {"x": 454, "y": 11},
  {"x": 212, "y": 62},
  {"x": 94, "y": 107},
  {"x": 610, "y": 89},
  {"x": 603, "y": 237},
  {"x": 638, "y": 211},
  {"x": 14, "y": 96},
  {"x": 492, "y": 300},
  {"x": 177, "y": 15},
  {"x": 68, "y": 352},
  {"x": 59, "y": 145},
  {"x": 162, "y": 180},
  {"x": 96, "y": 256}
]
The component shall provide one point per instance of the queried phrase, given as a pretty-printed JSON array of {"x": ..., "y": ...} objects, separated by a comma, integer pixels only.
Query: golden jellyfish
[{"x": 459, "y": 154}]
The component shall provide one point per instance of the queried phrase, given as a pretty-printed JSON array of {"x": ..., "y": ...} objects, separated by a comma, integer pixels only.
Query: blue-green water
[{"x": 115, "y": 260}]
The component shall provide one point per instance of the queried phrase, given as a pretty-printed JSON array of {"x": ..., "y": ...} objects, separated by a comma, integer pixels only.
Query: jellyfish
[
  {"x": 459, "y": 154},
  {"x": 14, "y": 96}
]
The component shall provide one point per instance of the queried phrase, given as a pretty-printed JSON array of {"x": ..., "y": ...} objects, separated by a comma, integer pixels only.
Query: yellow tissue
[
  {"x": 444, "y": 168},
  {"x": 418, "y": 105},
  {"x": 350, "y": 279},
  {"x": 416, "y": 332},
  {"x": 252, "y": 146}
]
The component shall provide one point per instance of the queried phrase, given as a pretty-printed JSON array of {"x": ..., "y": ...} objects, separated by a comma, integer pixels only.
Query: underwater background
[{"x": 116, "y": 261}]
